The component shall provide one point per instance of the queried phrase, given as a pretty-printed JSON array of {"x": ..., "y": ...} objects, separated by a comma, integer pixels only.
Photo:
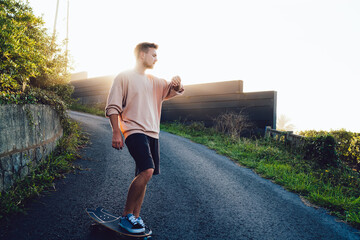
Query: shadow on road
[{"x": 99, "y": 232}]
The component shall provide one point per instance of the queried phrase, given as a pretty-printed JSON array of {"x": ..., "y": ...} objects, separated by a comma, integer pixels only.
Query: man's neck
[{"x": 139, "y": 68}]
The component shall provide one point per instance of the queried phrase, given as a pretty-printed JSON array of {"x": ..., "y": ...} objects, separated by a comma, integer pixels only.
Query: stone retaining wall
[{"x": 28, "y": 134}]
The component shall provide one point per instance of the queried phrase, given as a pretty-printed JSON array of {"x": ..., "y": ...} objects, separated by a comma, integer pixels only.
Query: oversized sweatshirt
[{"x": 138, "y": 100}]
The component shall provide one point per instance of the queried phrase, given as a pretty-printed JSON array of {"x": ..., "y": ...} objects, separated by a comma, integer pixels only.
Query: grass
[
  {"x": 336, "y": 189},
  {"x": 97, "y": 109},
  {"x": 41, "y": 178}
]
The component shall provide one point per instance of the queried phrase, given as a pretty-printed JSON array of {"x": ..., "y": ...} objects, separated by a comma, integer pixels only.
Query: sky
[{"x": 308, "y": 51}]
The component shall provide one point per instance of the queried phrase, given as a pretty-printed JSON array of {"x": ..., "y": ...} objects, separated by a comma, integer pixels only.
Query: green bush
[
  {"x": 64, "y": 91},
  {"x": 347, "y": 144},
  {"x": 28, "y": 55},
  {"x": 343, "y": 139},
  {"x": 322, "y": 150},
  {"x": 354, "y": 149},
  {"x": 20, "y": 44}
]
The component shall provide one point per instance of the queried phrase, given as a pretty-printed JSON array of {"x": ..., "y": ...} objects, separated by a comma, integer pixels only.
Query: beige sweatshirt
[{"x": 138, "y": 100}]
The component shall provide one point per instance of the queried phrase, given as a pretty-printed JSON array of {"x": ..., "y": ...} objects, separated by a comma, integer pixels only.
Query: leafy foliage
[
  {"x": 354, "y": 149},
  {"x": 28, "y": 55},
  {"x": 20, "y": 45},
  {"x": 34, "y": 70},
  {"x": 347, "y": 144},
  {"x": 322, "y": 149}
]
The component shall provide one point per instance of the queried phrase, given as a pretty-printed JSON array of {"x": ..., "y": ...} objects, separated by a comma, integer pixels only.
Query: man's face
[{"x": 150, "y": 58}]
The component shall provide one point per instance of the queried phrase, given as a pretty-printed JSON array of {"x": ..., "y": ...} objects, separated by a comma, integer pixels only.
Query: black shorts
[{"x": 145, "y": 151}]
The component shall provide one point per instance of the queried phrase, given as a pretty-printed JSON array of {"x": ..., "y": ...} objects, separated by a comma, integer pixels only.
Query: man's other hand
[
  {"x": 117, "y": 140},
  {"x": 176, "y": 83}
]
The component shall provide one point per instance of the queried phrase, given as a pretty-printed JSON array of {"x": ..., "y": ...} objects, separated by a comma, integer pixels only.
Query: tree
[
  {"x": 28, "y": 56},
  {"x": 283, "y": 123}
]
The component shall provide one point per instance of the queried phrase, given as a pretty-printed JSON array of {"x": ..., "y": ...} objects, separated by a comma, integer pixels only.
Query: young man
[{"x": 134, "y": 108}]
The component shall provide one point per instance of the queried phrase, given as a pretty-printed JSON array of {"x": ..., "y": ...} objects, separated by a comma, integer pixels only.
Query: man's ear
[{"x": 141, "y": 55}]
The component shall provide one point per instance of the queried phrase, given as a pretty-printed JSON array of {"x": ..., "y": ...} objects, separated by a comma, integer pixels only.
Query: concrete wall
[
  {"x": 93, "y": 90},
  {"x": 204, "y": 102},
  {"x": 28, "y": 134},
  {"x": 201, "y": 102}
]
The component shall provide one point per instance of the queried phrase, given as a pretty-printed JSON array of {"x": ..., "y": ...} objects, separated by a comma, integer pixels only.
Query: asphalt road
[{"x": 198, "y": 195}]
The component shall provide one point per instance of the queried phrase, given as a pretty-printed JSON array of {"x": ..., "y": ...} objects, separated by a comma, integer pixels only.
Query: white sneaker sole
[{"x": 141, "y": 230}]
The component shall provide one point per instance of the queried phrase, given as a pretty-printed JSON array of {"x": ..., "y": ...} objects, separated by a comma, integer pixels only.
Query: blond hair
[{"x": 144, "y": 47}]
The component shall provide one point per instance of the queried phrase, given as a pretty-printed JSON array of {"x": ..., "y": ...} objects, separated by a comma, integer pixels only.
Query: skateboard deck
[{"x": 110, "y": 221}]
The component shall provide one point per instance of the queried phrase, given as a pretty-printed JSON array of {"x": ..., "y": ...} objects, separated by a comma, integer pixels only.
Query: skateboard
[{"x": 110, "y": 221}]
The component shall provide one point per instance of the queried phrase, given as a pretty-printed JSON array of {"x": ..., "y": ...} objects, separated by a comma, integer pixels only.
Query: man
[{"x": 134, "y": 108}]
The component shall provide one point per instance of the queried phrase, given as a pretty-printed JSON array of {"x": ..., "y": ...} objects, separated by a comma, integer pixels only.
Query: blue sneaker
[
  {"x": 131, "y": 224},
  {"x": 141, "y": 222}
]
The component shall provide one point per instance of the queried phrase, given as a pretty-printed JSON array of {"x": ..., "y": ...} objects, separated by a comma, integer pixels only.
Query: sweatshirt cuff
[
  {"x": 111, "y": 111},
  {"x": 181, "y": 89}
]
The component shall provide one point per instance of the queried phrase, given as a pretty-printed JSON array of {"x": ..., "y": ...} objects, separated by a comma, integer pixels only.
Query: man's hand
[
  {"x": 117, "y": 140},
  {"x": 176, "y": 83}
]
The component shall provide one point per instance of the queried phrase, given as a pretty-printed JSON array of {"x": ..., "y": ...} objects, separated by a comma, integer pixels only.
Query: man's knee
[{"x": 147, "y": 174}]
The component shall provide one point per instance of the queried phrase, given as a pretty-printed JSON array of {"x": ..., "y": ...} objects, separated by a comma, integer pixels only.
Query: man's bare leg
[{"x": 136, "y": 192}]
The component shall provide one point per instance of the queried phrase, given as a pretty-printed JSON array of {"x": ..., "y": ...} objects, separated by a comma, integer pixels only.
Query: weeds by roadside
[
  {"x": 35, "y": 71},
  {"x": 334, "y": 188},
  {"x": 97, "y": 109},
  {"x": 233, "y": 124},
  {"x": 42, "y": 177}
]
